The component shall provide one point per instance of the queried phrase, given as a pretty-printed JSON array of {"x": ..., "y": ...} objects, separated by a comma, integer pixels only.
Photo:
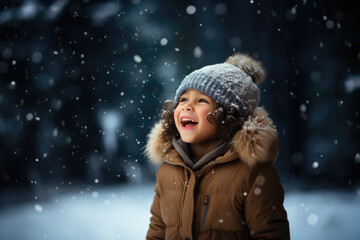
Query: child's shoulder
[
  {"x": 262, "y": 173},
  {"x": 267, "y": 169},
  {"x": 250, "y": 173}
]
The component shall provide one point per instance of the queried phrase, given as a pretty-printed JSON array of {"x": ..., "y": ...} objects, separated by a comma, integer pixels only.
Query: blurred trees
[{"x": 83, "y": 82}]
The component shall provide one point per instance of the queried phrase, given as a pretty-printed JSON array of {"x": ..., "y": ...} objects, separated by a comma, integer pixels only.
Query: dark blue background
[{"x": 82, "y": 82}]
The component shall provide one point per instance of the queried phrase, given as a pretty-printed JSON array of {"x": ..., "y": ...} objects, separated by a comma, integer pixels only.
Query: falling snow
[
  {"x": 190, "y": 9},
  {"x": 315, "y": 165},
  {"x": 163, "y": 42},
  {"x": 357, "y": 157},
  {"x": 137, "y": 59},
  {"x": 312, "y": 219},
  {"x": 83, "y": 82},
  {"x": 38, "y": 208},
  {"x": 198, "y": 52}
]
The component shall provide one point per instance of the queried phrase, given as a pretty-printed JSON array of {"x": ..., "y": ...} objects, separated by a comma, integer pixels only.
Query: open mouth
[{"x": 188, "y": 123}]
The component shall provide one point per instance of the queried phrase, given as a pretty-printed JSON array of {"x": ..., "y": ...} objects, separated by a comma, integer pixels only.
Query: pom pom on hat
[
  {"x": 249, "y": 65},
  {"x": 231, "y": 83}
]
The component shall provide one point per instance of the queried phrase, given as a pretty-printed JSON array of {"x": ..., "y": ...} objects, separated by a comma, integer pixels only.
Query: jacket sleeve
[
  {"x": 265, "y": 215},
  {"x": 157, "y": 226}
]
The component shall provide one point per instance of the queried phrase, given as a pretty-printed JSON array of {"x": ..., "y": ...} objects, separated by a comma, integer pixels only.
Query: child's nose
[{"x": 187, "y": 107}]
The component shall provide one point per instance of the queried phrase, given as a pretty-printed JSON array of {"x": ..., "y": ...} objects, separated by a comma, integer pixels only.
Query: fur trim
[
  {"x": 249, "y": 65},
  {"x": 155, "y": 145},
  {"x": 256, "y": 142}
]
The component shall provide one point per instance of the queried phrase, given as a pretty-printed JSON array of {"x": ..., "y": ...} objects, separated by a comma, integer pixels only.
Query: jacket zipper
[{"x": 204, "y": 209}]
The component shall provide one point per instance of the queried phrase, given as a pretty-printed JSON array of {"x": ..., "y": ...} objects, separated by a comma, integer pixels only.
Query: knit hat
[{"x": 231, "y": 83}]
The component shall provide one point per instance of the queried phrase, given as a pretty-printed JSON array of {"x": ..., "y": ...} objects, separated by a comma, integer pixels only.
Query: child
[{"x": 216, "y": 148}]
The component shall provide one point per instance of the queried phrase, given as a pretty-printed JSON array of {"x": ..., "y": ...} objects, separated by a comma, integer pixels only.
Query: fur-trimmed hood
[{"x": 256, "y": 142}]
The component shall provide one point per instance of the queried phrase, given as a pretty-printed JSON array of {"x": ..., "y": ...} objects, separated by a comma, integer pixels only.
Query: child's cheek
[
  {"x": 176, "y": 116},
  {"x": 203, "y": 114}
]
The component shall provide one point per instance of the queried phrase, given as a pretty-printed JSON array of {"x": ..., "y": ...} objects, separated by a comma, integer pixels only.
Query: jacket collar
[
  {"x": 256, "y": 142},
  {"x": 184, "y": 151}
]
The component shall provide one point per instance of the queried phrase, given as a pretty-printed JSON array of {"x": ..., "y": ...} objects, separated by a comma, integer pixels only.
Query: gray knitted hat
[{"x": 231, "y": 83}]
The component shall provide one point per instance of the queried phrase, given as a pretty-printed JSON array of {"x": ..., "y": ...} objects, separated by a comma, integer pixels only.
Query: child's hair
[{"x": 228, "y": 121}]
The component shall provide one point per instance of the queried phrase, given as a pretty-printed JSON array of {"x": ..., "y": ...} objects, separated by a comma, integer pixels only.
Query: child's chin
[{"x": 186, "y": 140}]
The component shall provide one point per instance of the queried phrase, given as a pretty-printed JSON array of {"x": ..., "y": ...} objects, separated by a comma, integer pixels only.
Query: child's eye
[
  {"x": 203, "y": 100},
  {"x": 183, "y": 99}
]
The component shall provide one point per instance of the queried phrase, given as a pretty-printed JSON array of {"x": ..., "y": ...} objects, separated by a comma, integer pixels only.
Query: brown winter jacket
[{"x": 235, "y": 196}]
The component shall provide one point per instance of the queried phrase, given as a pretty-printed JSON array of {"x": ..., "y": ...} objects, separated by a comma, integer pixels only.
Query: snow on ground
[
  {"x": 323, "y": 215},
  {"x": 123, "y": 213}
]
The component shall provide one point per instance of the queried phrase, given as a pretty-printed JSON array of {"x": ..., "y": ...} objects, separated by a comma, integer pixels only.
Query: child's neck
[{"x": 199, "y": 150}]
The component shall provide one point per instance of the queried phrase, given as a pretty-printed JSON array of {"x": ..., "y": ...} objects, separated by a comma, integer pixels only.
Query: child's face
[{"x": 190, "y": 118}]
